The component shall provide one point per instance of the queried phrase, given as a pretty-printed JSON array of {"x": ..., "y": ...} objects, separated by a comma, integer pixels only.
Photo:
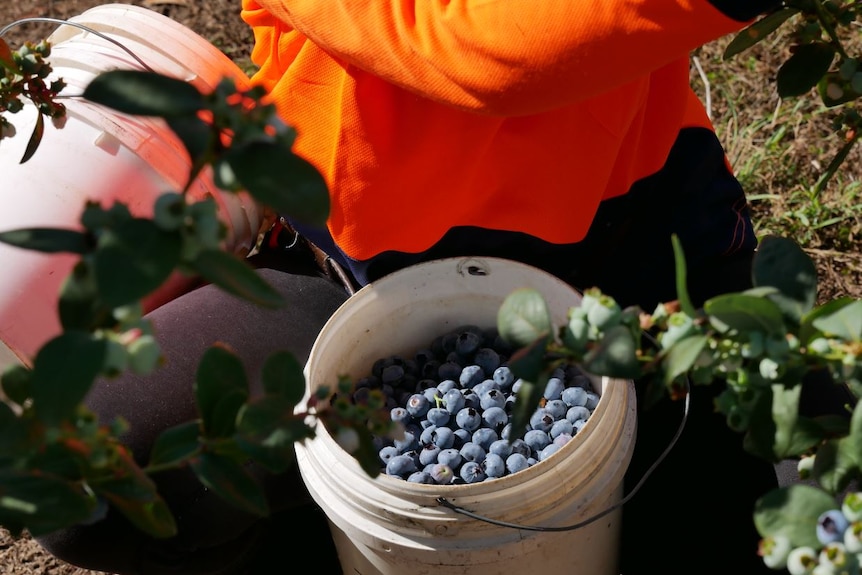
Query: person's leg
[{"x": 212, "y": 534}]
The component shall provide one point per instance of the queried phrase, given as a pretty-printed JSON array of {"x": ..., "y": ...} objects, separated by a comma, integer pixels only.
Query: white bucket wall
[
  {"x": 390, "y": 526},
  {"x": 101, "y": 155}
]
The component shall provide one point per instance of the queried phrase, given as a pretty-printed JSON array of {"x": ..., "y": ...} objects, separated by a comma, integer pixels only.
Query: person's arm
[{"x": 511, "y": 57}]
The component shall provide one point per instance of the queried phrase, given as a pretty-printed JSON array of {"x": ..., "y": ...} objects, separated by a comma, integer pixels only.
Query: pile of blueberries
[{"x": 454, "y": 400}]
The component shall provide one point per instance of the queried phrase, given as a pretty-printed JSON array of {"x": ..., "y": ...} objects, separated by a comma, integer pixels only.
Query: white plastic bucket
[
  {"x": 101, "y": 155},
  {"x": 390, "y": 526}
]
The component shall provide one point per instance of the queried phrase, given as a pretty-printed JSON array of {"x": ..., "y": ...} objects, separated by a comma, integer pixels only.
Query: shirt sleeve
[{"x": 510, "y": 57}]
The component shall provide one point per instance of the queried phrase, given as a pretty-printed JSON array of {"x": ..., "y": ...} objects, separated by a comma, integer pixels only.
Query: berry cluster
[
  {"x": 454, "y": 401},
  {"x": 839, "y": 532}
]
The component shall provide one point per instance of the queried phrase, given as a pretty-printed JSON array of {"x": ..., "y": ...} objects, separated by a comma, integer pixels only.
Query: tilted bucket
[
  {"x": 390, "y": 526},
  {"x": 101, "y": 155}
]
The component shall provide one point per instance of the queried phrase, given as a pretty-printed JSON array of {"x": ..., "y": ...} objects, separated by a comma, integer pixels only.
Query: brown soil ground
[{"x": 742, "y": 101}]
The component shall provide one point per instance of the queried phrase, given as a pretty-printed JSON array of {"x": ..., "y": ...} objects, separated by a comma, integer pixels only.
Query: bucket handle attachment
[{"x": 449, "y": 505}]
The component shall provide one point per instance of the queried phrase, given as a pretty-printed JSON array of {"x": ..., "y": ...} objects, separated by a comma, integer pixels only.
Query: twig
[{"x": 705, "y": 80}]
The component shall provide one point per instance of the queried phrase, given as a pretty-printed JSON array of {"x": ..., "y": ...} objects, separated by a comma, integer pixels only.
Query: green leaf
[
  {"x": 523, "y": 318},
  {"x": 228, "y": 479},
  {"x": 844, "y": 323},
  {"x": 144, "y": 94},
  {"x": 35, "y": 139},
  {"x": 276, "y": 177},
  {"x": 221, "y": 389},
  {"x": 283, "y": 376},
  {"x": 780, "y": 262},
  {"x": 838, "y": 462},
  {"x": 527, "y": 400},
  {"x": 804, "y": 69},
  {"x": 835, "y": 90},
  {"x": 133, "y": 260},
  {"x": 134, "y": 494},
  {"x": 79, "y": 306},
  {"x": 807, "y": 330},
  {"x": 197, "y": 137},
  {"x": 681, "y": 356},
  {"x": 177, "y": 444},
  {"x": 63, "y": 372},
  {"x": 615, "y": 355},
  {"x": 40, "y": 503},
  {"x": 757, "y": 31},
  {"x": 235, "y": 276},
  {"x": 48, "y": 240},
  {"x": 793, "y": 435},
  {"x": 746, "y": 313},
  {"x": 267, "y": 430},
  {"x": 681, "y": 278},
  {"x": 792, "y": 512}
]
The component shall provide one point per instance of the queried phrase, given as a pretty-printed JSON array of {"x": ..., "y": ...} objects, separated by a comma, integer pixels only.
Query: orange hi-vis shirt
[{"x": 517, "y": 115}]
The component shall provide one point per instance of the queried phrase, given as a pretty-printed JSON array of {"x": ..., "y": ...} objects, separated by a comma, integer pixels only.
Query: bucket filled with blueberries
[{"x": 458, "y": 492}]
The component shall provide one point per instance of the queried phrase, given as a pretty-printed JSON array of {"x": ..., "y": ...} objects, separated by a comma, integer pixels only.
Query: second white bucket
[
  {"x": 101, "y": 155},
  {"x": 388, "y": 526}
]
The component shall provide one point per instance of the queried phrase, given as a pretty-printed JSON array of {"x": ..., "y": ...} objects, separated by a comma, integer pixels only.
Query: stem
[
  {"x": 833, "y": 166},
  {"x": 153, "y": 469},
  {"x": 826, "y": 21}
]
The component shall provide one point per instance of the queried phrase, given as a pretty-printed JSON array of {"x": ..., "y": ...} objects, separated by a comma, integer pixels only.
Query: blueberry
[
  {"x": 454, "y": 401},
  {"x": 423, "y": 356},
  {"x": 431, "y": 369},
  {"x": 830, "y": 526},
  {"x": 417, "y": 405},
  {"x": 445, "y": 385},
  {"x": 427, "y": 437},
  {"x": 557, "y": 408},
  {"x": 537, "y": 439},
  {"x": 420, "y": 477},
  {"x": 407, "y": 442},
  {"x": 578, "y": 424},
  {"x": 387, "y": 453},
  {"x": 520, "y": 446},
  {"x": 438, "y": 416},
  {"x": 472, "y": 472},
  {"x": 471, "y": 375},
  {"x": 401, "y": 465},
  {"x": 443, "y": 437},
  {"x": 548, "y": 450},
  {"x": 423, "y": 384},
  {"x": 577, "y": 412},
  {"x": 429, "y": 454},
  {"x": 494, "y": 465},
  {"x": 469, "y": 419},
  {"x": 492, "y": 398},
  {"x": 472, "y": 452},
  {"x": 468, "y": 344},
  {"x": 516, "y": 462},
  {"x": 574, "y": 396},
  {"x": 562, "y": 439},
  {"x": 561, "y": 427},
  {"x": 471, "y": 399},
  {"x": 484, "y": 437},
  {"x": 433, "y": 395},
  {"x": 485, "y": 386},
  {"x": 462, "y": 436},
  {"x": 516, "y": 385},
  {"x": 451, "y": 457},
  {"x": 592, "y": 400},
  {"x": 504, "y": 377},
  {"x": 500, "y": 447},
  {"x": 400, "y": 415},
  {"x": 392, "y": 375},
  {"x": 541, "y": 420},
  {"x": 449, "y": 370},
  {"x": 496, "y": 418},
  {"x": 487, "y": 359},
  {"x": 442, "y": 474},
  {"x": 554, "y": 388}
]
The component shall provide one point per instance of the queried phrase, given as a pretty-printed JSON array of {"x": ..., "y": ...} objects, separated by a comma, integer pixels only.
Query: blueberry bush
[{"x": 59, "y": 466}]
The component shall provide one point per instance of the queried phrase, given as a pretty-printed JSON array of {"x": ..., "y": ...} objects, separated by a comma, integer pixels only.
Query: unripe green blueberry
[
  {"x": 605, "y": 314},
  {"x": 820, "y": 346},
  {"x": 853, "y": 537},
  {"x": 576, "y": 334},
  {"x": 679, "y": 326},
  {"x": 835, "y": 555},
  {"x": 851, "y": 507},
  {"x": 144, "y": 354},
  {"x": 589, "y": 298},
  {"x": 802, "y": 561},
  {"x": 769, "y": 369},
  {"x": 774, "y": 551}
]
